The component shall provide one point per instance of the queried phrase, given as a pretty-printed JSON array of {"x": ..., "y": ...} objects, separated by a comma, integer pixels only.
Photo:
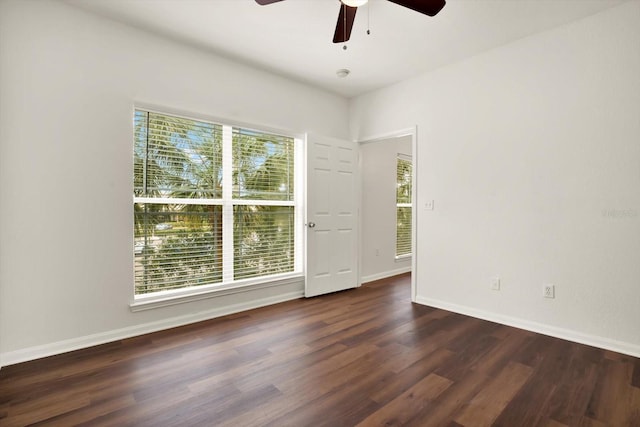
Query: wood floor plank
[
  {"x": 443, "y": 410},
  {"x": 633, "y": 406},
  {"x": 275, "y": 370},
  {"x": 553, "y": 423},
  {"x": 485, "y": 406},
  {"x": 610, "y": 401},
  {"x": 328, "y": 392},
  {"x": 635, "y": 380},
  {"x": 419, "y": 318},
  {"x": 500, "y": 354},
  {"x": 590, "y": 422},
  {"x": 309, "y": 380},
  {"x": 532, "y": 404},
  {"x": 260, "y": 367},
  {"x": 401, "y": 409},
  {"x": 366, "y": 356},
  {"x": 420, "y": 346},
  {"x": 90, "y": 412},
  {"x": 477, "y": 346},
  {"x": 401, "y": 381},
  {"x": 344, "y": 404},
  {"x": 570, "y": 399}
]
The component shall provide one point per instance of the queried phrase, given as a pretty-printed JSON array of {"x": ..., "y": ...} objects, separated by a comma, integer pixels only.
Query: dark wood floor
[{"x": 363, "y": 357}]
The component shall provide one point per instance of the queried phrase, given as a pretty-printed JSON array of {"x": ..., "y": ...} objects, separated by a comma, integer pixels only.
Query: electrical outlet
[
  {"x": 495, "y": 283},
  {"x": 377, "y": 252},
  {"x": 548, "y": 291}
]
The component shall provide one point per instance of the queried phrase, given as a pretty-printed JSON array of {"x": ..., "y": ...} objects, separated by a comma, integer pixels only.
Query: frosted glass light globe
[{"x": 354, "y": 3}]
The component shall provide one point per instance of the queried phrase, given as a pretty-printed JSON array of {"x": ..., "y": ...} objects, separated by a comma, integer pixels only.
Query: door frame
[{"x": 413, "y": 133}]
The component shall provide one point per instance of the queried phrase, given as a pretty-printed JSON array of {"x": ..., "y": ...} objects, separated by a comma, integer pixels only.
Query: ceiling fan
[{"x": 348, "y": 10}]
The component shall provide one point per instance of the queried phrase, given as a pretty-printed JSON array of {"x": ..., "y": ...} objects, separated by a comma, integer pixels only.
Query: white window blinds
[
  {"x": 213, "y": 203},
  {"x": 403, "y": 206}
]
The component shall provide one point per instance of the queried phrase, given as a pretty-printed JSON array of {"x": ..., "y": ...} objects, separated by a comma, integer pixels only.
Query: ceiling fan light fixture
[{"x": 354, "y": 3}]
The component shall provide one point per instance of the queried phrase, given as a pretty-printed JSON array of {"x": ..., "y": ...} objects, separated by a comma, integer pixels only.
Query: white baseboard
[
  {"x": 553, "y": 331},
  {"x": 37, "y": 352},
  {"x": 384, "y": 274}
]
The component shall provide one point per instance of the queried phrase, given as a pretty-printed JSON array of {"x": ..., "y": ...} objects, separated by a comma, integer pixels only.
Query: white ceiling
[{"x": 293, "y": 38}]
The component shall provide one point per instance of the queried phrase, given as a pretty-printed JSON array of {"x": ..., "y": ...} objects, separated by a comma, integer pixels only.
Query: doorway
[{"x": 387, "y": 219}]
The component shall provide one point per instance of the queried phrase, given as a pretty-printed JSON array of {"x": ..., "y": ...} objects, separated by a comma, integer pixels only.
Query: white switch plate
[
  {"x": 428, "y": 206},
  {"x": 495, "y": 283}
]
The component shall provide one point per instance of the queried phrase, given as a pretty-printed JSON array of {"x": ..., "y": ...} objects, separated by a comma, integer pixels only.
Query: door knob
[{"x": 311, "y": 224}]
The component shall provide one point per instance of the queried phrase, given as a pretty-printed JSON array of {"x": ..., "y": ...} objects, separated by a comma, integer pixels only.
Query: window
[
  {"x": 403, "y": 206},
  {"x": 213, "y": 204}
]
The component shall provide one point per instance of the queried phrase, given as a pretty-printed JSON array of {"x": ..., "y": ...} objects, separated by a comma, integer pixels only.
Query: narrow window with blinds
[
  {"x": 213, "y": 204},
  {"x": 403, "y": 206}
]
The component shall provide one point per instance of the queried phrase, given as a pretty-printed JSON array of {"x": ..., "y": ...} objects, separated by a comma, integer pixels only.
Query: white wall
[
  {"x": 531, "y": 152},
  {"x": 378, "y": 208},
  {"x": 69, "y": 81}
]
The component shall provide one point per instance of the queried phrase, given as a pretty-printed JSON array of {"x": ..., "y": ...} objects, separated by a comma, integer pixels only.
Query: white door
[{"x": 332, "y": 213}]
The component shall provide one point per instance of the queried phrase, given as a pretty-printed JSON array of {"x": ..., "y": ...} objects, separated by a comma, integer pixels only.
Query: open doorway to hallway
[{"x": 386, "y": 217}]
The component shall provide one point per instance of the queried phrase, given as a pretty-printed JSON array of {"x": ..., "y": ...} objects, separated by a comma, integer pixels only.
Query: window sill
[{"x": 212, "y": 291}]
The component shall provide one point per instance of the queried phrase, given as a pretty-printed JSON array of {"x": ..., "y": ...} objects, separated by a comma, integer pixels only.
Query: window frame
[
  {"x": 227, "y": 202},
  {"x": 401, "y": 257}
]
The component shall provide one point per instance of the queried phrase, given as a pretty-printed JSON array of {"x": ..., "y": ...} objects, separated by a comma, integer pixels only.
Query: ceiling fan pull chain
[
  {"x": 344, "y": 25},
  {"x": 368, "y": 19}
]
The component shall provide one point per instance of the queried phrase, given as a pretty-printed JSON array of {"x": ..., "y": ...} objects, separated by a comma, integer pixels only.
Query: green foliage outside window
[{"x": 403, "y": 207}]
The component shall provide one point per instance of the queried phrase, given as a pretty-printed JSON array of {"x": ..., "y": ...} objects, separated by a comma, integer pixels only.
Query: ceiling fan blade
[
  {"x": 263, "y": 2},
  {"x": 345, "y": 23},
  {"x": 428, "y": 7}
]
